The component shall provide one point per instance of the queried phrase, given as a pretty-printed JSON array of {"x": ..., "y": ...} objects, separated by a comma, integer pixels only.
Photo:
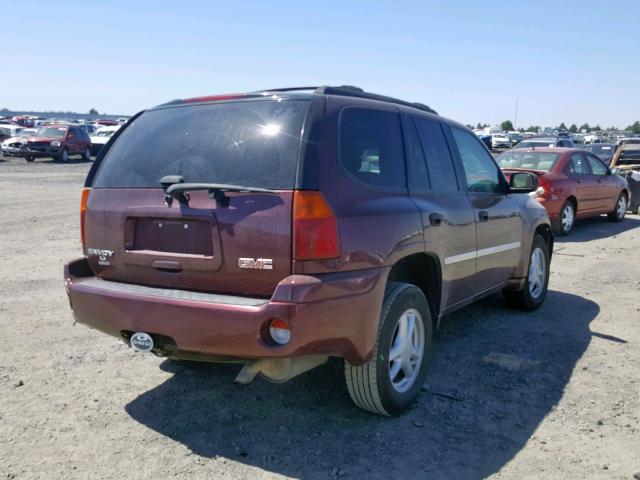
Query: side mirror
[{"x": 523, "y": 182}]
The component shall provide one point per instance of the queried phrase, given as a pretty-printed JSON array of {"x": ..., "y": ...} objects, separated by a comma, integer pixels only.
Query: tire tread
[{"x": 362, "y": 381}]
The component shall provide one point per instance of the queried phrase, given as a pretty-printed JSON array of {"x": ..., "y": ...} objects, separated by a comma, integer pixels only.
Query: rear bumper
[{"x": 334, "y": 314}]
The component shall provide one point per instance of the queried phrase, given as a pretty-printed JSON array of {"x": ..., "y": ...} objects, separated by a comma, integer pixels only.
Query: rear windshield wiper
[{"x": 174, "y": 188}]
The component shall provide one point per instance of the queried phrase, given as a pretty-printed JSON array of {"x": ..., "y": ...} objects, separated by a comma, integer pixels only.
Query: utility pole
[{"x": 515, "y": 122}]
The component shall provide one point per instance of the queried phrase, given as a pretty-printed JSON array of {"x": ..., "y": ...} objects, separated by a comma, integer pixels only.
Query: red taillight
[
  {"x": 544, "y": 187},
  {"x": 315, "y": 228},
  {"x": 83, "y": 210}
]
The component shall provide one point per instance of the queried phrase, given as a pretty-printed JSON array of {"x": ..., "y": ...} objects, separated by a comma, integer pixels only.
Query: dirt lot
[{"x": 553, "y": 394}]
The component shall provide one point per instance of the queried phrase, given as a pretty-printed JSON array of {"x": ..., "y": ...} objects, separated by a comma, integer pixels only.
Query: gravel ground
[{"x": 551, "y": 394}]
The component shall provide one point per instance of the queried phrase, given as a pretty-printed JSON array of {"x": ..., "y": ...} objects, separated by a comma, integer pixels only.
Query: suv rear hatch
[{"x": 238, "y": 242}]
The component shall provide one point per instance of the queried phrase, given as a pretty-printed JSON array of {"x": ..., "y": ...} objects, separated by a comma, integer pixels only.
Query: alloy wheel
[
  {"x": 537, "y": 272},
  {"x": 621, "y": 207},
  {"x": 406, "y": 351},
  {"x": 567, "y": 217}
]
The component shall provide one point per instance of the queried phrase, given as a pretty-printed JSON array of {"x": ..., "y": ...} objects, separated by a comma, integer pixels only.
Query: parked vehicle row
[
  {"x": 58, "y": 140},
  {"x": 494, "y": 138}
]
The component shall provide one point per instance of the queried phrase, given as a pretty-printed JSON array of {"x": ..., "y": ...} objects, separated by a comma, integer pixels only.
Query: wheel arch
[
  {"x": 544, "y": 230},
  {"x": 425, "y": 272},
  {"x": 627, "y": 193}
]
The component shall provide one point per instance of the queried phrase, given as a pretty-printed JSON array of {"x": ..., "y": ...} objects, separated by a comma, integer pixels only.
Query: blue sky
[{"x": 571, "y": 61}]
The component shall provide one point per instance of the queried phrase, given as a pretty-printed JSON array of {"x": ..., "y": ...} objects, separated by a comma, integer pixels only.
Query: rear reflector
[
  {"x": 315, "y": 228},
  {"x": 279, "y": 331},
  {"x": 83, "y": 209}
]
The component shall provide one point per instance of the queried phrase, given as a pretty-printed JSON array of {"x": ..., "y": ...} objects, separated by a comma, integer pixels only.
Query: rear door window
[
  {"x": 416, "y": 162},
  {"x": 436, "y": 150},
  {"x": 578, "y": 165},
  {"x": 251, "y": 143},
  {"x": 371, "y": 147}
]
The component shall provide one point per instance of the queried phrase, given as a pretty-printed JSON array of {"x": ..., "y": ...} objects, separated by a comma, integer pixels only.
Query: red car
[
  {"x": 59, "y": 142},
  {"x": 573, "y": 184}
]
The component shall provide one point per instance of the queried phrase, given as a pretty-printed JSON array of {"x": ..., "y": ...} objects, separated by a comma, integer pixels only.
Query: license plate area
[{"x": 169, "y": 235}]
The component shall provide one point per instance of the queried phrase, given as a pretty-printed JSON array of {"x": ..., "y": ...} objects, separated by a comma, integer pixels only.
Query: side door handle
[
  {"x": 435, "y": 219},
  {"x": 483, "y": 215}
]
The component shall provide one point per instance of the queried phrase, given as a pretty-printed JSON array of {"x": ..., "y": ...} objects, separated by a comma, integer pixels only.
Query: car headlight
[{"x": 55, "y": 143}]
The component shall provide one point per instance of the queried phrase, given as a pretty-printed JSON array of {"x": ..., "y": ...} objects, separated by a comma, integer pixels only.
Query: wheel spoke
[
  {"x": 411, "y": 322},
  {"x": 396, "y": 350},
  {"x": 402, "y": 326},
  {"x": 394, "y": 370}
]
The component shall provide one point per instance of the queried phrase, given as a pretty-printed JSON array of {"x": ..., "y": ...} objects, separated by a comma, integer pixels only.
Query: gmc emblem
[{"x": 256, "y": 263}]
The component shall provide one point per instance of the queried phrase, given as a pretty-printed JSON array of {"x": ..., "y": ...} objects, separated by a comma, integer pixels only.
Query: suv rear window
[
  {"x": 250, "y": 143},
  {"x": 371, "y": 146}
]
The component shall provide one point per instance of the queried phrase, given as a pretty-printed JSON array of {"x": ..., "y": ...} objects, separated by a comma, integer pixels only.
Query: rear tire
[
  {"x": 385, "y": 385},
  {"x": 534, "y": 290},
  {"x": 620, "y": 209},
  {"x": 563, "y": 224},
  {"x": 63, "y": 157},
  {"x": 30, "y": 158},
  {"x": 86, "y": 156}
]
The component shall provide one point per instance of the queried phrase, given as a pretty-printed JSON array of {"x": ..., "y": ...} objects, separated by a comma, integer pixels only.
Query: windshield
[
  {"x": 56, "y": 132},
  {"x": 253, "y": 143},
  {"x": 540, "y": 161}
]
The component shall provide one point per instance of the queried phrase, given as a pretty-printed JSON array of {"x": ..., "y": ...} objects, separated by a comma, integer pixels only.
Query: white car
[
  {"x": 101, "y": 136},
  {"x": 12, "y": 146},
  {"x": 500, "y": 141}
]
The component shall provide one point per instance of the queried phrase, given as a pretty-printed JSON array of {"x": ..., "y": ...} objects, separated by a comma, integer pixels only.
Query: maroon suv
[
  {"x": 282, "y": 227},
  {"x": 59, "y": 142}
]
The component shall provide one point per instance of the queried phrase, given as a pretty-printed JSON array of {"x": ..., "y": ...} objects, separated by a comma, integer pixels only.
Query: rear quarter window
[
  {"x": 250, "y": 143},
  {"x": 371, "y": 147}
]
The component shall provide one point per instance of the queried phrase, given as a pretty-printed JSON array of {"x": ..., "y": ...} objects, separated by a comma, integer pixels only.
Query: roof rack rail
[{"x": 351, "y": 91}]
